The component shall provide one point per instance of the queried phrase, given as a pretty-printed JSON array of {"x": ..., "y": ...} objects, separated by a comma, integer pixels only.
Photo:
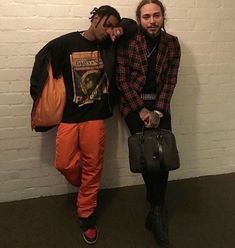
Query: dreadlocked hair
[{"x": 104, "y": 10}]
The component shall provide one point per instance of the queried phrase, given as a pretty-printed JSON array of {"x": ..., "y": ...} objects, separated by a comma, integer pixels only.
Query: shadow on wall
[
  {"x": 116, "y": 171},
  {"x": 48, "y": 146},
  {"x": 184, "y": 109},
  {"x": 59, "y": 184},
  {"x": 113, "y": 146}
]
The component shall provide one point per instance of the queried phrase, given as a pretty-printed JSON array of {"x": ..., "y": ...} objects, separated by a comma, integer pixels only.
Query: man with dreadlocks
[
  {"x": 146, "y": 77},
  {"x": 86, "y": 61}
]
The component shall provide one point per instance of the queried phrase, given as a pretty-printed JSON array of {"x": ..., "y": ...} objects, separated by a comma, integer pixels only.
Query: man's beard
[{"x": 150, "y": 35}]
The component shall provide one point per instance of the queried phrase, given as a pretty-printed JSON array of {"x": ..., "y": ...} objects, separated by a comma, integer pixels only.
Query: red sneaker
[{"x": 90, "y": 235}]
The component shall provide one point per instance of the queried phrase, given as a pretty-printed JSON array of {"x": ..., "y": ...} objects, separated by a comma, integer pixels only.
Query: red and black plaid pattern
[{"x": 132, "y": 69}]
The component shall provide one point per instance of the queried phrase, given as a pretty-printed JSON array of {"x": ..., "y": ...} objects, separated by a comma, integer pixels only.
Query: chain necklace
[{"x": 149, "y": 53}]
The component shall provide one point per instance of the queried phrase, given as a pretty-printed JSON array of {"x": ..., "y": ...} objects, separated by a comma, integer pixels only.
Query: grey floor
[{"x": 201, "y": 215}]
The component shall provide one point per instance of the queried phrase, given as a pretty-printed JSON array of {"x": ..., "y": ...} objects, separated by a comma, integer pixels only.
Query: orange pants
[{"x": 79, "y": 157}]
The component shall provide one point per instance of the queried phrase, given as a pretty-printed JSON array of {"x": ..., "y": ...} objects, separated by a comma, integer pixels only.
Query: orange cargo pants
[{"x": 79, "y": 157}]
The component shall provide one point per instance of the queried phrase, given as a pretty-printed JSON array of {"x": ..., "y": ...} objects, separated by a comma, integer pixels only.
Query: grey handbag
[{"x": 153, "y": 150}]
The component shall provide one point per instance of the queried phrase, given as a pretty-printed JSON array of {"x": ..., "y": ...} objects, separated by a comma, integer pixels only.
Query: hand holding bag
[{"x": 153, "y": 150}]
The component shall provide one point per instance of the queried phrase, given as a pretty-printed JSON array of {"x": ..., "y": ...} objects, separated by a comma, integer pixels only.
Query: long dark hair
[{"x": 157, "y": 2}]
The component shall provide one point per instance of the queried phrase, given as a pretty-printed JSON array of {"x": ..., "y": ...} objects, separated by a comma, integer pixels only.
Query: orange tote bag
[{"x": 49, "y": 107}]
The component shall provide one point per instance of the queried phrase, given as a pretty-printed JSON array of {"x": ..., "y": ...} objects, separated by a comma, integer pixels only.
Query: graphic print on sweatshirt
[{"x": 89, "y": 80}]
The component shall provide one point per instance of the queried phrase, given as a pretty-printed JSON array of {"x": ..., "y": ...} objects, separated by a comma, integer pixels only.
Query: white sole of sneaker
[{"x": 88, "y": 241}]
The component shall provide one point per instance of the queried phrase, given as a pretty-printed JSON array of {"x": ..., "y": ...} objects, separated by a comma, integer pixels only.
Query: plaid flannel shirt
[{"x": 132, "y": 66}]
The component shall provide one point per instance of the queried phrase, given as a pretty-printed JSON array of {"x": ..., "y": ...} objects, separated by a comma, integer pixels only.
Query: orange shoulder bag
[{"x": 49, "y": 107}]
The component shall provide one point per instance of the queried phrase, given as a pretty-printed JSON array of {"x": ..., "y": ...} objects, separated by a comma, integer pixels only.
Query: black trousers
[{"x": 156, "y": 183}]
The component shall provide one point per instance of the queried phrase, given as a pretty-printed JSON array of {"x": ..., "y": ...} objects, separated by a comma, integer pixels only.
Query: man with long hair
[{"x": 146, "y": 77}]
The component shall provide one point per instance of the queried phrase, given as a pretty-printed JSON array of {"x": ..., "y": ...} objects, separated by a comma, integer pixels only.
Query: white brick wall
[{"x": 202, "y": 108}]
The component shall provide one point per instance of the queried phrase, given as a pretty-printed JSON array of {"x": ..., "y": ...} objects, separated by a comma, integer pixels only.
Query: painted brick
[{"x": 203, "y": 113}]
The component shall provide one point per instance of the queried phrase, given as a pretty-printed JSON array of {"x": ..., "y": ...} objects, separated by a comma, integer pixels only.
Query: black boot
[{"x": 156, "y": 221}]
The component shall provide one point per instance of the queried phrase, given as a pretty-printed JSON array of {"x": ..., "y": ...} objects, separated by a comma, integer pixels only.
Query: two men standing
[{"x": 146, "y": 75}]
